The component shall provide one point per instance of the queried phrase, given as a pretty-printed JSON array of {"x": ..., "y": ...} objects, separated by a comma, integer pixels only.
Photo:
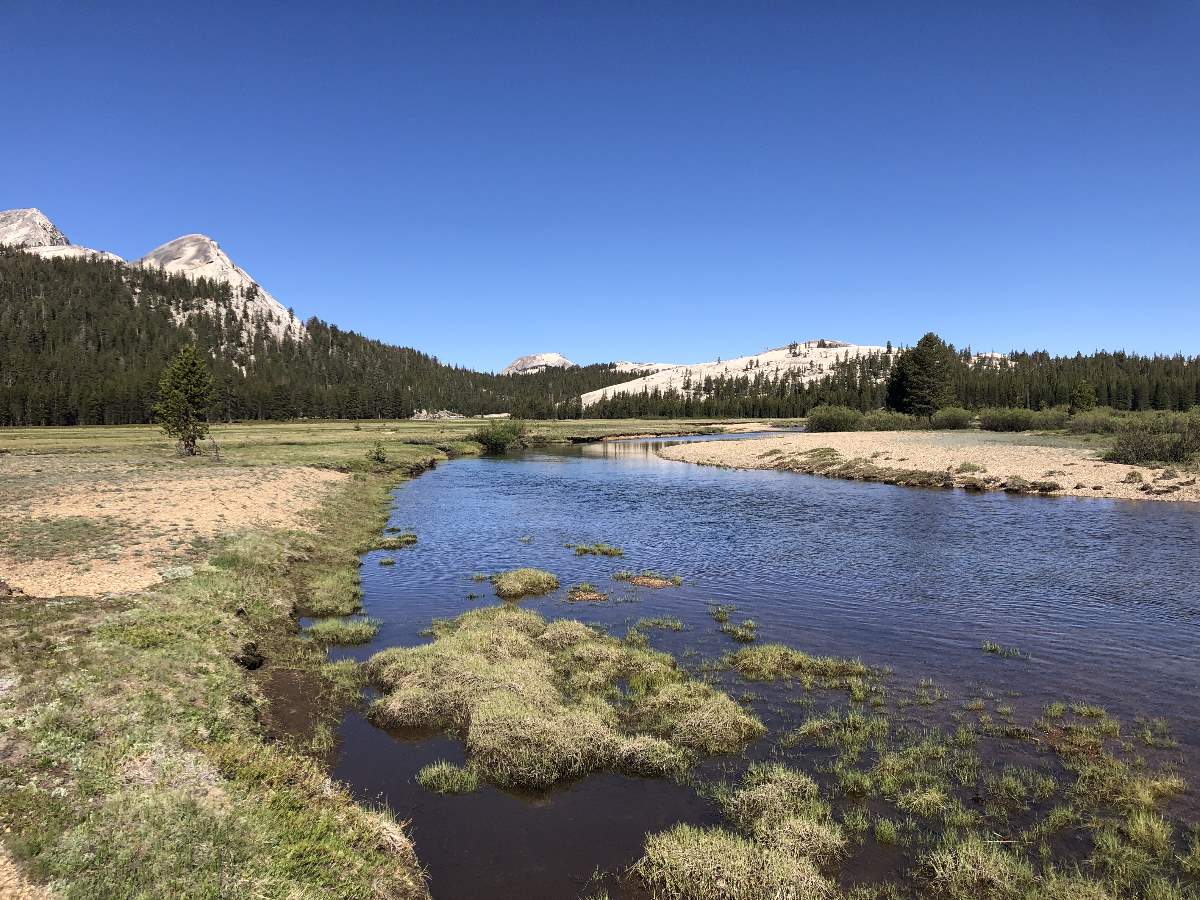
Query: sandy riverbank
[{"x": 971, "y": 460}]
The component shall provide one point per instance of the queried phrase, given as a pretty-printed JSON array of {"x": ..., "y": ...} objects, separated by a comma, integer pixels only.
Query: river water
[{"x": 1102, "y": 596}]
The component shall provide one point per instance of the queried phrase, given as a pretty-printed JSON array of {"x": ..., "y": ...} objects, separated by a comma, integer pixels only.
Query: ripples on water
[{"x": 1104, "y": 596}]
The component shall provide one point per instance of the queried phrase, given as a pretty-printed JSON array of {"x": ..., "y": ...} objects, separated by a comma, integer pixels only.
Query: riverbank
[
  {"x": 150, "y": 739},
  {"x": 965, "y": 459}
]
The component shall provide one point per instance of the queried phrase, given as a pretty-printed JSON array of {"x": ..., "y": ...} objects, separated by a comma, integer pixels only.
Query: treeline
[
  {"x": 1036, "y": 381},
  {"x": 84, "y": 341}
]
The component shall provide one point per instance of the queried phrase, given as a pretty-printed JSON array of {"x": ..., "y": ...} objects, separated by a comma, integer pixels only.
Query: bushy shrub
[
  {"x": 501, "y": 435},
  {"x": 952, "y": 418},
  {"x": 1102, "y": 420},
  {"x": 887, "y": 420},
  {"x": 833, "y": 418},
  {"x": 1157, "y": 437},
  {"x": 1006, "y": 419},
  {"x": 1020, "y": 419}
]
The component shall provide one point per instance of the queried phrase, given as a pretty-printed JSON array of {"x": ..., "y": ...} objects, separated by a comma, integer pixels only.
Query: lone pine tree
[
  {"x": 185, "y": 392},
  {"x": 922, "y": 380}
]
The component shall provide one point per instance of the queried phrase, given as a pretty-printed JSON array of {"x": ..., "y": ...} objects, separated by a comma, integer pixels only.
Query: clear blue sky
[{"x": 638, "y": 180}]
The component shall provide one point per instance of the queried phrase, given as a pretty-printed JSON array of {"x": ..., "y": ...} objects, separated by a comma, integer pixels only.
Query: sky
[{"x": 664, "y": 182}]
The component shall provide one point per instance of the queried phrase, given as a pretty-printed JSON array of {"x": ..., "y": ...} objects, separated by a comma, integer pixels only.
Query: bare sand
[
  {"x": 991, "y": 462},
  {"x": 70, "y": 526},
  {"x": 13, "y": 885}
]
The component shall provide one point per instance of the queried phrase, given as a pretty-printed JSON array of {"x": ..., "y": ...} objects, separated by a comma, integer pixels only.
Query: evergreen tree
[
  {"x": 185, "y": 393},
  {"x": 922, "y": 379},
  {"x": 1083, "y": 397}
]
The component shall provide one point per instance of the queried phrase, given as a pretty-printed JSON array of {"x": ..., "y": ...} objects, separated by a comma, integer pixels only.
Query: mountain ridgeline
[
  {"x": 83, "y": 341},
  {"x": 85, "y": 336}
]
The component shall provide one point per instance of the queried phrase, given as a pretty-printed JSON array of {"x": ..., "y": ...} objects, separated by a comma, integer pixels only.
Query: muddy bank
[{"x": 969, "y": 460}]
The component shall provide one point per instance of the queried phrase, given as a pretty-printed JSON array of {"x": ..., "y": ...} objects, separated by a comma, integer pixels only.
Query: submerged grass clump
[
  {"x": 665, "y": 623},
  {"x": 1000, "y": 650},
  {"x": 773, "y": 662},
  {"x": 328, "y": 632},
  {"x": 517, "y": 583},
  {"x": 443, "y": 777},
  {"x": 649, "y": 579},
  {"x": 539, "y": 703},
  {"x": 585, "y": 592},
  {"x": 596, "y": 550},
  {"x": 721, "y": 612},
  {"x": 744, "y": 633},
  {"x": 388, "y": 542}
]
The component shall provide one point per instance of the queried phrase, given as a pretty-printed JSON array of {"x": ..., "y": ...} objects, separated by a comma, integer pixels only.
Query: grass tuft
[{"x": 517, "y": 583}]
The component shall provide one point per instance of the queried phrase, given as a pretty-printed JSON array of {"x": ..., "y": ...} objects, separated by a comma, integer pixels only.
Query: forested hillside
[
  {"x": 1034, "y": 380},
  {"x": 83, "y": 341}
]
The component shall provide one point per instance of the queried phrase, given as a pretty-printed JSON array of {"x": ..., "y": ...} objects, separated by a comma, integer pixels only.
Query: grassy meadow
[{"x": 145, "y": 745}]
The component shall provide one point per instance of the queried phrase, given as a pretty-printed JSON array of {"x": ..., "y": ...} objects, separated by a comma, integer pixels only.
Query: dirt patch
[
  {"x": 72, "y": 530},
  {"x": 952, "y": 459},
  {"x": 13, "y": 885}
]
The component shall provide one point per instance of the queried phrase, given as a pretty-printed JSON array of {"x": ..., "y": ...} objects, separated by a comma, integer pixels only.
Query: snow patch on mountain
[
  {"x": 810, "y": 361},
  {"x": 199, "y": 256},
  {"x": 536, "y": 362},
  {"x": 29, "y": 228}
]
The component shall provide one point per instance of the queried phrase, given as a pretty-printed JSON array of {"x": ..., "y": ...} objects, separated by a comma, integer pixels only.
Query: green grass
[
  {"x": 537, "y": 702},
  {"x": 329, "y": 632},
  {"x": 999, "y": 650},
  {"x": 388, "y": 542},
  {"x": 443, "y": 777},
  {"x": 596, "y": 550},
  {"x": 665, "y": 623},
  {"x": 744, "y": 633},
  {"x": 45, "y": 539},
  {"x": 527, "y": 582}
]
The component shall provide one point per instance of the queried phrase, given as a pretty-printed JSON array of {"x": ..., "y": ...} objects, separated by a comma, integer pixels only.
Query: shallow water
[{"x": 1104, "y": 597}]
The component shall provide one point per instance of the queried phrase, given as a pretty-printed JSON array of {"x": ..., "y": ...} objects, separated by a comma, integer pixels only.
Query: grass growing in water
[
  {"x": 720, "y": 612},
  {"x": 649, "y": 579},
  {"x": 443, "y": 777},
  {"x": 517, "y": 583},
  {"x": 329, "y": 632},
  {"x": 538, "y": 703},
  {"x": 1000, "y": 650},
  {"x": 666, "y": 623},
  {"x": 596, "y": 550},
  {"x": 744, "y": 633},
  {"x": 585, "y": 592}
]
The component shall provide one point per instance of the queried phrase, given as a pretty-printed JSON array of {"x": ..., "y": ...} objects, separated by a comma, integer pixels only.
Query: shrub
[
  {"x": 887, "y": 420},
  {"x": 1020, "y": 419},
  {"x": 1095, "y": 421},
  {"x": 518, "y": 583},
  {"x": 501, "y": 435},
  {"x": 833, "y": 418},
  {"x": 952, "y": 418},
  {"x": 1157, "y": 437},
  {"x": 377, "y": 454}
]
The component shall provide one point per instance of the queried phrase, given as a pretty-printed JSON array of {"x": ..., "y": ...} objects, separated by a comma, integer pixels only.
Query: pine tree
[
  {"x": 1083, "y": 397},
  {"x": 185, "y": 393},
  {"x": 922, "y": 380}
]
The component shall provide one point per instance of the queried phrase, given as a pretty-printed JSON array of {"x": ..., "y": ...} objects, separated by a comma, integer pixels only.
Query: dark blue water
[{"x": 1103, "y": 596}]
